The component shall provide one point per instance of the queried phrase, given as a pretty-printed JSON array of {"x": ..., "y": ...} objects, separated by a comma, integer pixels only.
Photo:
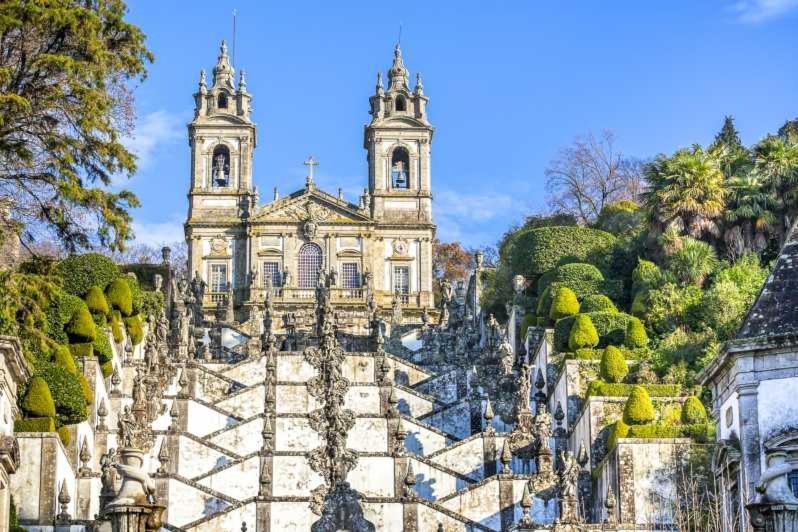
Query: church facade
[{"x": 380, "y": 246}]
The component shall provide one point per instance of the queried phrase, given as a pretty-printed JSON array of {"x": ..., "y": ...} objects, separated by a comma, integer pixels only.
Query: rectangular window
[
  {"x": 218, "y": 277},
  {"x": 401, "y": 279},
  {"x": 350, "y": 275},
  {"x": 271, "y": 271},
  {"x": 792, "y": 478}
]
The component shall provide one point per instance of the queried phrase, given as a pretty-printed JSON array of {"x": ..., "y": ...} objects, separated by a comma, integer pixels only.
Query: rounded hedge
[
  {"x": 584, "y": 279},
  {"x": 64, "y": 434},
  {"x": 619, "y": 429},
  {"x": 82, "y": 350},
  {"x": 544, "y": 303},
  {"x": 613, "y": 367},
  {"x": 95, "y": 300},
  {"x": 102, "y": 348},
  {"x": 636, "y": 335},
  {"x": 639, "y": 409},
  {"x": 61, "y": 310},
  {"x": 88, "y": 393},
  {"x": 611, "y": 328},
  {"x": 536, "y": 251},
  {"x": 135, "y": 329},
  {"x": 136, "y": 295},
  {"x": 81, "y": 326},
  {"x": 107, "y": 368},
  {"x": 645, "y": 275},
  {"x": 693, "y": 411},
  {"x": 597, "y": 303},
  {"x": 38, "y": 401},
  {"x": 81, "y": 272},
  {"x": 564, "y": 303},
  {"x": 117, "y": 330},
  {"x": 583, "y": 333},
  {"x": 120, "y": 297},
  {"x": 35, "y": 424},
  {"x": 67, "y": 394},
  {"x": 63, "y": 357}
]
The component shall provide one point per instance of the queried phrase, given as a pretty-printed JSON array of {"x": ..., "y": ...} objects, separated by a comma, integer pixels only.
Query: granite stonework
[{"x": 14, "y": 371}]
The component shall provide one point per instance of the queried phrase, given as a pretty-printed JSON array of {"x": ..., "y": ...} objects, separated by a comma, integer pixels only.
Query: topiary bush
[
  {"x": 81, "y": 272},
  {"x": 152, "y": 303},
  {"x": 67, "y": 394},
  {"x": 136, "y": 298},
  {"x": 81, "y": 350},
  {"x": 102, "y": 348},
  {"x": 119, "y": 296},
  {"x": 59, "y": 313},
  {"x": 693, "y": 411},
  {"x": 95, "y": 300},
  {"x": 583, "y": 333},
  {"x": 564, "y": 303},
  {"x": 639, "y": 409},
  {"x": 597, "y": 303},
  {"x": 620, "y": 217},
  {"x": 646, "y": 275},
  {"x": 63, "y": 357},
  {"x": 584, "y": 279},
  {"x": 611, "y": 328},
  {"x": 88, "y": 393},
  {"x": 536, "y": 251},
  {"x": 107, "y": 368},
  {"x": 600, "y": 388},
  {"x": 64, "y": 435},
  {"x": 81, "y": 326},
  {"x": 35, "y": 424},
  {"x": 636, "y": 336},
  {"x": 613, "y": 367},
  {"x": 135, "y": 329},
  {"x": 117, "y": 327},
  {"x": 38, "y": 401},
  {"x": 544, "y": 304},
  {"x": 619, "y": 429}
]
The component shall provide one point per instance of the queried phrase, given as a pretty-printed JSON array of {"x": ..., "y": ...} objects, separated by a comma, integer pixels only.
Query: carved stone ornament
[
  {"x": 401, "y": 247},
  {"x": 218, "y": 246}
]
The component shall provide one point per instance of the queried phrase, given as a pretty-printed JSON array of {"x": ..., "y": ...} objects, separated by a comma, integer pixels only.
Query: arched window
[
  {"x": 221, "y": 103},
  {"x": 310, "y": 263},
  {"x": 401, "y": 105},
  {"x": 400, "y": 167},
  {"x": 221, "y": 166}
]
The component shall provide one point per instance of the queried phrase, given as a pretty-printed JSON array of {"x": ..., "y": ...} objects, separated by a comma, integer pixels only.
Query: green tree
[
  {"x": 639, "y": 409},
  {"x": 583, "y": 333},
  {"x": 749, "y": 217},
  {"x": 563, "y": 304},
  {"x": 776, "y": 162},
  {"x": 613, "y": 366},
  {"x": 686, "y": 191},
  {"x": 693, "y": 262},
  {"x": 65, "y": 107}
]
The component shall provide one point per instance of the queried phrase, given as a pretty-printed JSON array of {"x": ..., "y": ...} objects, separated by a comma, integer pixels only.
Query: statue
[
  {"x": 543, "y": 428},
  {"x": 108, "y": 475},
  {"x": 287, "y": 278},
  {"x": 396, "y": 318},
  {"x": 446, "y": 292},
  {"x": 198, "y": 286},
  {"x": 569, "y": 476},
  {"x": 322, "y": 278},
  {"x": 253, "y": 277},
  {"x": 219, "y": 170},
  {"x": 333, "y": 277},
  {"x": 127, "y": 427},
  {"x": 161, "y": 329},
  {"x": 773, "y": 486},
  {"x": 368, "y": 280}
]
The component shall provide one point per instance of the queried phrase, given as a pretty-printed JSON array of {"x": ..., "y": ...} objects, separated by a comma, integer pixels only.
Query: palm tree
[
  {"x": 687, "y": 191},
  {"x": 749, "y": 217},
  {"x": 776, "y": 164},
  {"x": 694, "y": 262}
]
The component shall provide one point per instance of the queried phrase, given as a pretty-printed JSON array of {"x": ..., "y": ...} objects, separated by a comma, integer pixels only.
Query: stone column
[
  {"x": 749, "y": 433},
  {"x": 506, "y": 500}
]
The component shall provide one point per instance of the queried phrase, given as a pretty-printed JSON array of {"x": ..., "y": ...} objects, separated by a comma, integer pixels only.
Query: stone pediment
[{"x": 314, "y": 205}]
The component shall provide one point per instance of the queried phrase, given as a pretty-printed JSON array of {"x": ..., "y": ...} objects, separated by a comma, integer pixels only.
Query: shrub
[
  {"x": 693, "y": 411},
  {"x": 587, "y": 354},
  {"x": 81, "y": 272},
  {"x": 63, "y": 358},
  {"x": 117, "y": 327},
  {"x": 528, "y": 321},
  {"x": 621, "y": 217},
  {"x": 613, "y": 367},
  {"x": 701, "y": 432},
  {"x": 619, "y": 429},
  {"x": 645, "y": 276},
  {"x": 95, "y": 300},
  {"x": 611, "y": 328},
  {"x": 119, "y": 296},
  {"x": 583, "y": 333},
  {"x": 655, "y": 430},
  {"x": 564, "y": 303},
  {"x": 102, "y": 348},
  {"x": 597, "y": 303},
  {"x": 600, "y": 388},
  {"x": 584, "y": 279},
  {"x": 670, "y": 306},
  {"x": 636, "y": 335},
  {"x": 152, "y": 303},
  {"x": 64, "y": 435},
  {"x": 536, "y": 251},
  {"x": 134, "y": 329},
  {"x": 81, "y": 350},
  {"x": 107, "y": 368},
  {"x": 690, "y": 349},
  {"x": 38, "y": 401},
  {"x": 639, "y": 409},
  {"x": 135, "y": 292},
  {"x": 63, "y": 307},
  {"x": 544, "y": 304},
  {"x": 35, "y": 424},
  {"x": 81, "y": 326},
  {"x": 88, "y": 393},
  {"x": 67, "y": 394}
]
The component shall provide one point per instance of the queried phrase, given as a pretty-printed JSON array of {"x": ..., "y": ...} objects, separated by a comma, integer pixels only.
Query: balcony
[{"x": 308, "y": 295}]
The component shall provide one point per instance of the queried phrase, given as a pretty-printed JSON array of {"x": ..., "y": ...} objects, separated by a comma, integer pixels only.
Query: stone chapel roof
[{"x": 775, "y": 311}]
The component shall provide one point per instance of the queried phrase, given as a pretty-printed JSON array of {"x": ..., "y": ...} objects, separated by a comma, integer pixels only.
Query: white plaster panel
[
  {"x": 245, "y": 404},
  {"x": 294, "y": 399},
  {"x": 291, "y": 368},
  {"x": 777, "y": 406},
  {"x": 654, "y": 481},
  {"x": 27, "y": 478},
  {"x": 242, "y": 439},
  {"x": 363, "y": 399},
  {"x": 197, "y": 459},
  {"x": 465, "y": 458},
  {"x": 432, "y": 483},
  {"x": 203, "y": 420},
  {"x": 373, "y": 476},
  {"x": 385, "y": 516},
  {"x": 421, "y": 440},
  {"x": 454, "y": 420},
  {"x": 293, "y": 477},
  {"x": 411, "y": 404},
  {"x": 230, "y": 520},
  {"x": 240, "y": 481},
  {"x": 430, "y": 518},
  {"x": 295, "y": 434},
  {"x": 729, "y": 411},
  {"x": 253, "y": 372},
  {"x": 359, "y": 369},
  {"x": 188, "y": 504},
  {"x": 479, "y": 504},
  {"x": 368, "y": 435},
  {"x": 292, "y": 517}
]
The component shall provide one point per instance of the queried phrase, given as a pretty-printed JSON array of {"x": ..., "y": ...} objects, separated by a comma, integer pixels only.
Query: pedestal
[
  {"x": 135, "y": 518},
  {"x": 773, "y": 517}
]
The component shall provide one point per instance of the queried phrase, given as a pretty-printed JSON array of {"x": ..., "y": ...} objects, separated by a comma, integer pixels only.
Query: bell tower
[
  {"x": 221, "y": 195},
  {"x": 398, "y": 141}
]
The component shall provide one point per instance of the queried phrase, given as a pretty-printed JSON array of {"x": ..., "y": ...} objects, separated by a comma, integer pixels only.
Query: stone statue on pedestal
[{"x": 773, "y": 486}]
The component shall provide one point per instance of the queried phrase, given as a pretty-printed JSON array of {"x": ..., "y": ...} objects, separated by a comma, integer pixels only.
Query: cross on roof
[{"x": 310, "y": 163}]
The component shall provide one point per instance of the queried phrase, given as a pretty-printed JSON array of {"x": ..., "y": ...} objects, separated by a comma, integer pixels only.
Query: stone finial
[
  {"x": 242, "y": 81},
  {"x": 265, "y": 479},
  {"x": 506, "y": 458},
  {"x": 419, "y": 85},
  {"x": 183, "y": 383},
  {"x": 410, "y": 481},
  {"x": 85, "y": 458},
  {"x": 526, "y": 505},
  {"x": 163, "y": 458},
  {"x": 488, "y": 415},
  {"x": 174, "y": 413},
  {"x": 379, "y": 90},
  {"x": 399, "y": 440},
  {"x": 582, "y": 456},
  {"x": 243, "y": 526},
  {"x": 202, "y": 84},
  {"x": 609, "y": 504},
  {"x": 393, "y": 402},
  {"x": 116, "y": 380},
  {"x": 102, "y": 413},
  {"x": 63, "y": 502}
]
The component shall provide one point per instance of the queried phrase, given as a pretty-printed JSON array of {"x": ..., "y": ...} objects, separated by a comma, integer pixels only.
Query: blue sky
[{"x": 509, "y": 84}]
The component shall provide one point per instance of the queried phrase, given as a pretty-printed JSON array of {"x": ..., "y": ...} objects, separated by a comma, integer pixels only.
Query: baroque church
[{"x": 240, "y": 248}]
